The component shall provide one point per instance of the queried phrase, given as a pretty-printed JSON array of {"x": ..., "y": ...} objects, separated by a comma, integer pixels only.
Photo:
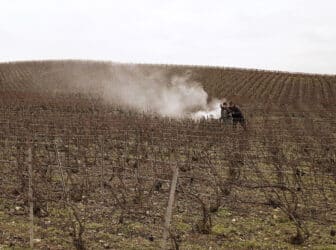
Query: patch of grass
[
  {"x": 224, "y": 212},
  {"x": 137, "y": 243},
  {"x": 256, "y": 245},
  {"x": 130, "y": 229},
  {"x": 251, "y": 244},
  {"x": 325, "y": 247},
  {"x": 190, "y": 246},
  {"x": 183, "y": 227},
  {"x": 221, "y": 229},
  {"x": 94, "y": 226}
]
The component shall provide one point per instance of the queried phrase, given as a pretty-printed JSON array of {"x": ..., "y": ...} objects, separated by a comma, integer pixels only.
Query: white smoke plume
[
  {"x": 212, "y": 111},
  {"x": 172, "y": 96}
]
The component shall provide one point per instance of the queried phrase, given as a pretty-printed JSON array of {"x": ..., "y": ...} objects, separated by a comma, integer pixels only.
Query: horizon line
[{"x": 169, "y": 65}]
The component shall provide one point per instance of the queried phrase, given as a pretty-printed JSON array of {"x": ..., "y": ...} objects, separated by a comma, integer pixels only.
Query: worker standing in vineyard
[
  {"x": 225, "y": 113},
  {"x": 237, "y": 116}
]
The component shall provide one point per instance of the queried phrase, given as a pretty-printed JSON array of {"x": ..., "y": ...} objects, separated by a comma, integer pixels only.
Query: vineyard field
[{"x": 77, "y": 172}]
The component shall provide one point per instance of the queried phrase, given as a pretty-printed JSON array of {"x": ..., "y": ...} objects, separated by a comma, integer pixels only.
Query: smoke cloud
[{"x": 176, "y": 96}]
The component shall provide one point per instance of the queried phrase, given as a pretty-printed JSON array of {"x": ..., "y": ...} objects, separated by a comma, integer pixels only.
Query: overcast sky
[{"x": 291, "y": 35}]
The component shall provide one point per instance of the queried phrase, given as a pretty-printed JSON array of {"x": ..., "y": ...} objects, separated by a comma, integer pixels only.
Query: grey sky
[{"x": 292, "y": 35}]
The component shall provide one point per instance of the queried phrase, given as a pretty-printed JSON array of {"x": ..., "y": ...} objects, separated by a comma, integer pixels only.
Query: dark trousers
[
  {"x": 225, "y": 120},
  {"x": 239, "y": 120}
]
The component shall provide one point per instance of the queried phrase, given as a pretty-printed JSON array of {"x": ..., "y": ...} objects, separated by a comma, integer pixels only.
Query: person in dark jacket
[
  {"x": 225, "y": 113},
  {"x": 237, "y": 116}
]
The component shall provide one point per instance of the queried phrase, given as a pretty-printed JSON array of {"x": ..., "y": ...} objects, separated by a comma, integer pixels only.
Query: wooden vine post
[
  {"x": 169, "y": 210},
  {"x": 30, "y": 198}
]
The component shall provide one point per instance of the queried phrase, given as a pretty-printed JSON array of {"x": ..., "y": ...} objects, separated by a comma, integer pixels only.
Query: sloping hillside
[
  {"x": 246, "y": 86},
  {"x": 96, "y": 176}
]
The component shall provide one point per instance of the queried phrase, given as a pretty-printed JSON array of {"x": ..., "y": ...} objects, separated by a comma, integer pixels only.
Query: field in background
[
  {"x": 101, "y": 175},
  {"x": 303, "y": 91}
]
